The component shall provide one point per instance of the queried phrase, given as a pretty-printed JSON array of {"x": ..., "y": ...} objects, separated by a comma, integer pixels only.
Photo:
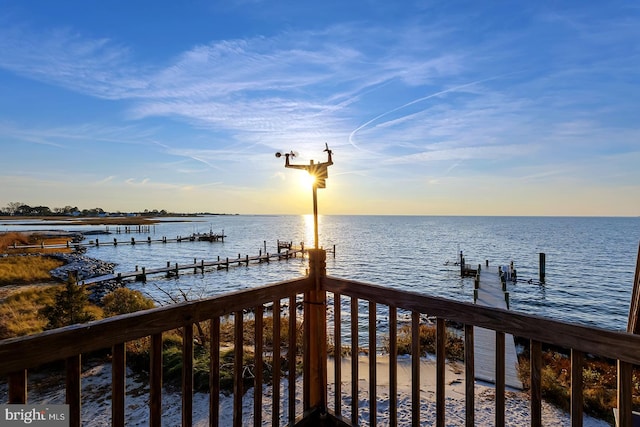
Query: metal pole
[{"x": 315, "y": 215}]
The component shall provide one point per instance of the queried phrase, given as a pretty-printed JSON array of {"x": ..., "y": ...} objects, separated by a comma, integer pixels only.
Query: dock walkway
[
  {"x": 173, "y": 270},
  {"x": 490, "y": 294},
  {"x": 208, "y": 237}
]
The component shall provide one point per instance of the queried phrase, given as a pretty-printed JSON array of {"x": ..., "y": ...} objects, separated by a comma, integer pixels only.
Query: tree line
[{"x": 23, "y": 209}]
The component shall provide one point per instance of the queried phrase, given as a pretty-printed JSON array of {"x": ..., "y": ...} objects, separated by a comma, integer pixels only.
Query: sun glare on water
[{"x": 308, "y": 230}]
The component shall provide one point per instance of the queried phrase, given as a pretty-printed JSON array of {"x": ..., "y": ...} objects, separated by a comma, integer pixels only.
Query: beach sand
[
  {"x": 96, "y": 392},
  {"x": 517, "y": 402}
]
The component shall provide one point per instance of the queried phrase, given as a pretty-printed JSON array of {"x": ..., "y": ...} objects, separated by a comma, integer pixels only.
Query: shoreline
[{"x": 61, "y": 221}]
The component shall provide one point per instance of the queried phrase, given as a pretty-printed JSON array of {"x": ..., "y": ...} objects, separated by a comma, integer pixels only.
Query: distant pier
[
  {"x": 208, "y": 237},
  {"x": 174, "y": 269},
  {"x": 490, "y": 290}
]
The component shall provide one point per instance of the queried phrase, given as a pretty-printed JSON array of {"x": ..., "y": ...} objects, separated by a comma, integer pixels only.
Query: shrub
[
  {"x": 453, "y": 344},
  {"x": 124, "y": 300},
  {"x": 71, "y": 306}
]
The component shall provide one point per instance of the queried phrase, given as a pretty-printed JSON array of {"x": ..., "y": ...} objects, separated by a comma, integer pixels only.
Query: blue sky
[{"x": 430, "y": 107}]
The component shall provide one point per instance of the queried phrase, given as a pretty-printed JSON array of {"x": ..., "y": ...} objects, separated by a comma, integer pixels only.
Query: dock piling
[{"x": 542, "y": 267}]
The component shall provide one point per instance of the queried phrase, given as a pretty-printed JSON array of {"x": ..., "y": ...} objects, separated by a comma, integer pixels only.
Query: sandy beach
[{"x": 96, "y": 408}]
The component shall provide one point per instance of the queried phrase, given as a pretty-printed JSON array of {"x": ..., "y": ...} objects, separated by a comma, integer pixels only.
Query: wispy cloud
[
  {"x": 471, "y": 88},
  {"x": 60, "y": 56}
]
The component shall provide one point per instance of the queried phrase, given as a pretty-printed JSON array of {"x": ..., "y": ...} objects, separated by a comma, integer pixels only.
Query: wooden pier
[
  {"x": 200, "y": 237},
  {"x": 173, "y": 270},
  {"x": 490, "y": 291}
]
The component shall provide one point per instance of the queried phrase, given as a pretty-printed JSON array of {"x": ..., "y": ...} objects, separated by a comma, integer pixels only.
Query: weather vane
[{"x": 319, "y": 173}]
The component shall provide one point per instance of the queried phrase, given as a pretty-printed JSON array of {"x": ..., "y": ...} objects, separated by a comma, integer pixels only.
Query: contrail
[{"x": 415, "y": 101}]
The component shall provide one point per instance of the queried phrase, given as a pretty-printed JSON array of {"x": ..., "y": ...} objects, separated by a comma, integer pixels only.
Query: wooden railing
[
  {"x": 581, "y": 340},
  {"x": 68, "y": 344}
]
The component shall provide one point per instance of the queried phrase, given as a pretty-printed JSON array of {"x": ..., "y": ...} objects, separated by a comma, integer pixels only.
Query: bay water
[{"x": 590, "y": 262}]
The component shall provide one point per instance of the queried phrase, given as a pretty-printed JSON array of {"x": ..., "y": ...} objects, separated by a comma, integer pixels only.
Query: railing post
[
  {"x": 18, "y": 387},
  {"x": 73, "y": 390},
  {"x": 155, "y": 381},
  {"x": 315, "y": 354},
  {"x": 118, "y": 384}
]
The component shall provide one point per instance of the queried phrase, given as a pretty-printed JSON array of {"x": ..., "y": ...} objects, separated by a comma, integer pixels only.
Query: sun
[{"x": 307, "y": 180}]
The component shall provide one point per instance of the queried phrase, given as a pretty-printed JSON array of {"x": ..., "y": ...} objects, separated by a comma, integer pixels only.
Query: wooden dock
[
  {"x": 200, "y": 237},
  {"x": 491, "y": 292},
  {"x": 173, "y": 270}
]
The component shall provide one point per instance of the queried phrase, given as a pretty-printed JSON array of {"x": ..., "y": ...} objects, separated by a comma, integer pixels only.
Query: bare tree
[
  {"x": 13, "y": 207},
  {"x": 182, "y": 296}
]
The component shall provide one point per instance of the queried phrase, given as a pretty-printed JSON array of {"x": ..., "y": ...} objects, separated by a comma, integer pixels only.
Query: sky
[{"x": 430, "y": 107}]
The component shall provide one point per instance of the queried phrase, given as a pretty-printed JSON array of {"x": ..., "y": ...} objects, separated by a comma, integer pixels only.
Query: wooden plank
[
  {"x": 577, "y": 401},
  {"x": 291, "y": 356},
  {"x": 469, "y": 376},
  {"x": 337, "y": 353},
  {"x": 441, "y": 340},
  {"x": 237, "y": 368},
  {"x": 308, "y": 381},
  {"x": 214, "y": 372},
  {"x": 187, "y": 374},
  {"x": 485, "y": 358},
  {"x": 74, "y": 390},
  {"x": 633, "y": 325},
  {"x": 500, "y": 377},
  {"x": 155, "y": 381},
  {"x": 625, "y": 394},
  {"x": 275, "y": 410},
  {"x": 535, "y": 359},
  {"x": 415, "y": 369},
  {"x": 393, "y": 367},
  {"x": 373, "y": 382},
  {"x": 258, "y": 365},
  {"x": 118, "y": 384},
  {"x": 354, "y": 361},
  {"x": 18, "y": 387}
]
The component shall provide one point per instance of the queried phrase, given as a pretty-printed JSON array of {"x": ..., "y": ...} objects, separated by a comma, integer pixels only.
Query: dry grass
[
  {"x": 599, "y": 378},
  {"x": 7, "y": 240},
  {"x": 18, "y": 269},
  {"x": 19, "y": 312}
]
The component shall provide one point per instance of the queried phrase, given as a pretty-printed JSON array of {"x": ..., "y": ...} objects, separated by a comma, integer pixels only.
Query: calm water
[{"x": 589, "y": 270}]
